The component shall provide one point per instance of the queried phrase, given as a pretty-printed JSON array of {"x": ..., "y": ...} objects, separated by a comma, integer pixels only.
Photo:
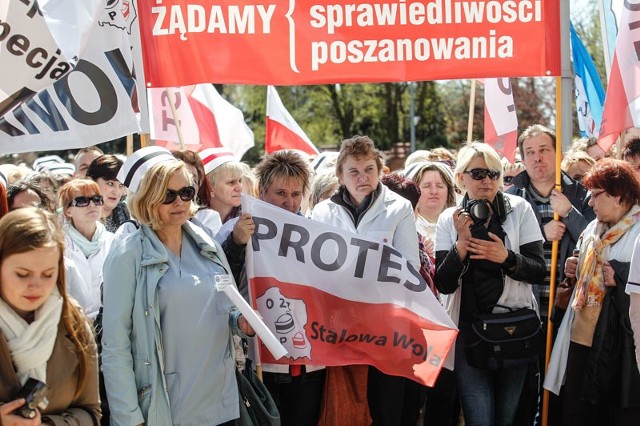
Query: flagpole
[
  {"x": 554, "y": 257},
  {"x": 129, "y": 145},
  {"x": 144, "y": 140},
  {"x": 472, "y": 105},
  {"x": 174, "y": 114}
]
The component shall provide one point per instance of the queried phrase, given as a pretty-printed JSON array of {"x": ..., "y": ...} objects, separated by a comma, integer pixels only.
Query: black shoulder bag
[{"x": 500, "y": 340}]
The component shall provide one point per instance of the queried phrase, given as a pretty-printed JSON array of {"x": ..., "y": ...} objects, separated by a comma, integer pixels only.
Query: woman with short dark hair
[
  {"x": 364, "y": 206},
  {"x": 26, "y": 194},
  {"x": 104, "y": 171}
]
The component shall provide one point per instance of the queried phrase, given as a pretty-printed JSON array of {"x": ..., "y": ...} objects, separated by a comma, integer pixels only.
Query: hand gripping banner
[{"x": 336, "y": 298}]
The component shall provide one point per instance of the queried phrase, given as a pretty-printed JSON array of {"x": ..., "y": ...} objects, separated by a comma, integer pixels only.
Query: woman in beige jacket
[{"x": 42, "y": 335}]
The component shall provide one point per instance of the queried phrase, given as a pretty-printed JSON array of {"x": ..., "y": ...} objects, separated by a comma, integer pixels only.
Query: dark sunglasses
[
  {"x": 479, "y": 174},
  {"x": 508, "y": 180},
  {"x": 186, "y": 194},
  {"x": 84, "y": 201}
]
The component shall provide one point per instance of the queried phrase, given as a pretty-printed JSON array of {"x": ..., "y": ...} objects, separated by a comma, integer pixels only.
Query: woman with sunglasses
[
  {"x": 509, "y": 171},
  {"x": 487, "y": 248},
  {"x": 167, "y": 355},
  {"x": 87, "y": 241}
]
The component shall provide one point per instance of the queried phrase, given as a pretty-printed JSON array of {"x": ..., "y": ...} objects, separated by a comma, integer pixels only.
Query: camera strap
[{"x": 501, "y": 206}]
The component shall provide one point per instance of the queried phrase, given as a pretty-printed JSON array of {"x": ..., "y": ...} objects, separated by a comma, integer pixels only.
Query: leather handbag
[
  {"x": 257, "y": 407},
  {"x": 505, "y": 339},
  {"x": 564, "y": 290}
]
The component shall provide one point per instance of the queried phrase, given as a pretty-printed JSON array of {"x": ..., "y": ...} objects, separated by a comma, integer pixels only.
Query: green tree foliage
[{"x": 332, "y": 112}]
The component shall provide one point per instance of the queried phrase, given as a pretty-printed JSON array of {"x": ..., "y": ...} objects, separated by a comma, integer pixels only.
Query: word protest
[
  {"x": 336, "y": 298},
  {"x": 309, "y": 42}
]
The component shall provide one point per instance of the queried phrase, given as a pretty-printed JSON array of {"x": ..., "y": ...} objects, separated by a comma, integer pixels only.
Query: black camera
[
  {"x": 479, "y": 210},
  {"x": 34, "y": 393}
]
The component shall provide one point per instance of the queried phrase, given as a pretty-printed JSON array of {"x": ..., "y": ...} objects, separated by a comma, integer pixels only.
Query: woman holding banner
[
  {"x": 485, "y": 256},
  {"x": 593, "y": 355},
  {"x": 283, "y": 180},
  {"x": 167, "y": 355},
  {"x": 364, "y": 206}
]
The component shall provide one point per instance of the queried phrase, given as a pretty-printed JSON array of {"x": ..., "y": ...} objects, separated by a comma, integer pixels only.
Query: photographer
[
  {"x": 43, "y": 336},
  {"x": 487, "y": 252}
]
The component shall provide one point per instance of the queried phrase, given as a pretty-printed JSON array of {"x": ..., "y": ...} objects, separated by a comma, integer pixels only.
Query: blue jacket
[{"x": 132, "y": 354}]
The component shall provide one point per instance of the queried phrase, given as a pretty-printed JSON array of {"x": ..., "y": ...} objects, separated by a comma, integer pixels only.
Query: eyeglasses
[
  {"x": 479, "y": 174},
  {"x": 508, "y": 180},
  {"x": 186, "y": 194},
  {"x": 84, "y": 201}
]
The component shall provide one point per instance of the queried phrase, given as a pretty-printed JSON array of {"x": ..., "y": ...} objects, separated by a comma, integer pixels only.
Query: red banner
[{"x": 288, "y": 43}]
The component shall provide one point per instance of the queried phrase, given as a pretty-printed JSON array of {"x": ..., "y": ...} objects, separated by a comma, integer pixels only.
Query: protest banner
[
  {"x": 337, "y": 298},
  {"x": 94, "y": 103},
  {"x": 622, "y": 102},
  {"x": 31, "y": 58},
  {"x": 500, "y": 118},
  {"x": 202, "y": 117},
  {"x": 288, "y": 42}
]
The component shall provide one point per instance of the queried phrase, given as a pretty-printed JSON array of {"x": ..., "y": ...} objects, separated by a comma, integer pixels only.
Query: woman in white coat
[
  {"x": 364, "y": 206},
  {"x": 87, "y": 241}
]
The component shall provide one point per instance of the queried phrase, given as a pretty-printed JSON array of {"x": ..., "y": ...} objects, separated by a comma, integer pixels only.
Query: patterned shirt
[{"x": 545, "y": 212}]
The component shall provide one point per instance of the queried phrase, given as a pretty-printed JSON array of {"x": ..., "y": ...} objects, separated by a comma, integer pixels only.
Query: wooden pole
[
  {"x": 144, "y": 140},
  {"x": 472, "y": 107},
  {"x": 554, "y": 255},
  {"x": 129, "y": 145},
  {"x": 174, "y": 114}
]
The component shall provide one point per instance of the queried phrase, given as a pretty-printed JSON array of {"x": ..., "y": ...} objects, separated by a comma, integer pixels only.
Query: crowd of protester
[{"x": 103, "y": 260}]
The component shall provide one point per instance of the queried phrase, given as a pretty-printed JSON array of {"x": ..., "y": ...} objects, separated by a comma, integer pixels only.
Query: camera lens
[{"x": 479, "y": 211}]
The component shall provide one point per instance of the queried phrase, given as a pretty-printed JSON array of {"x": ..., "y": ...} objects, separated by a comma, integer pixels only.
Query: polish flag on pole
[
  {"x": 282, "y": 131},
  {"x": 500, "y": 119},
  {"x": 198, "y": 116},
  {"x": 622, "y": 102}
]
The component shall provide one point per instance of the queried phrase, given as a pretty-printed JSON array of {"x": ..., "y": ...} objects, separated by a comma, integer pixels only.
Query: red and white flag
[
  {"x": 282, "y": 131},
  {"x": 622, "y": 102},
  {"x": 201, "y": 117},
  {"x": 500, "y": 119},
  {"x": 336, "y": 298}
]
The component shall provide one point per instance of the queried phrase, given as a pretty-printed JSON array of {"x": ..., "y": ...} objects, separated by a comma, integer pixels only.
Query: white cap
[
  {"x": 60, "y": 168},
  {"x": 139, "y": 162},
  {"x": 42, "y": 163},
  {"x": 322, "y": 159},
  {"x": 212, "y": 158},
  {"x": 3, "y": 180}
]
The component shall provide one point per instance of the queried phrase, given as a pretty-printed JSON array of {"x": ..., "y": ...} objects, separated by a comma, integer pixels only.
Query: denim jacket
[{"x": 132, "y": 353}]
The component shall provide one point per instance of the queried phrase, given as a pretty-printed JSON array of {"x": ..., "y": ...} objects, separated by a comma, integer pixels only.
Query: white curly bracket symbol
[{"x": 292, "y": 36}]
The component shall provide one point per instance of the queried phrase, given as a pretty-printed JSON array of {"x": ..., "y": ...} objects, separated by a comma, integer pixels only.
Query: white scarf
[
  {"x": 31, "y": 345},
  {"x": 88, "y": 247}
]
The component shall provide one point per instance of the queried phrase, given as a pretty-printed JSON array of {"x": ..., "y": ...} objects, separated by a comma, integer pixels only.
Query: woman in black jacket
[{"x": 487, "y": 252}]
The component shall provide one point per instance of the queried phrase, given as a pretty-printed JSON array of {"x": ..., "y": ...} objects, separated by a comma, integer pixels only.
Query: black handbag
[
  {"x": 257, "y": 407},
  {"x": 500, "y": 340}
]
